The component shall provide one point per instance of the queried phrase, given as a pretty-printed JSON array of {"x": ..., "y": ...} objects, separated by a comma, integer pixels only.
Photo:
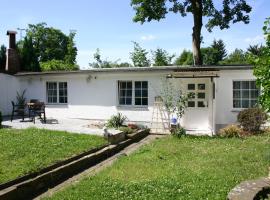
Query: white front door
[{"x": 197, "y": 115}]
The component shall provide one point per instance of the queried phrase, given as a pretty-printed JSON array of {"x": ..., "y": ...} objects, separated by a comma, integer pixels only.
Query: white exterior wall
[
  {"x": 225, "y": 113},
  {"x": 9, "y": 85},
  {"x": 98, "y": 98}
]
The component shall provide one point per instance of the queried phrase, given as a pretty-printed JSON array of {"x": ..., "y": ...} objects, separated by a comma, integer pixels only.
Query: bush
[
  {"x": 251, "y": 119},
  {"x": 116, "y": 121},
  {"x": 230, "y": 131},
  {"x": 126, "y": 130},
  {"x": 179, "y": 132},
  {"x": 1, "y": 119}
]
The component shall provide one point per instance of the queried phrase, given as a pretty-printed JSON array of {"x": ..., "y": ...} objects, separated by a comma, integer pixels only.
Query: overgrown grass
[
  {"x": 25, "y": 151},
  {"x": 184, "y": 168}
]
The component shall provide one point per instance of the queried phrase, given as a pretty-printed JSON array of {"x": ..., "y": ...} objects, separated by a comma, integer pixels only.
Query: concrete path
[
  {"x": 97, "y": 168},
  {"x": 69, "y": 125}
]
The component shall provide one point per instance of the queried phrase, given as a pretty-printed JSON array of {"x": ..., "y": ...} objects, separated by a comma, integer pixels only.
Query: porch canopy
[{"x": 194, "y": 73}]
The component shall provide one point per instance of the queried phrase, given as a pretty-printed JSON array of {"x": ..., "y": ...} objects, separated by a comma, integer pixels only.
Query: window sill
[
  {"x": 237, "y": 109},
  {"x": 132, "y": 107}
]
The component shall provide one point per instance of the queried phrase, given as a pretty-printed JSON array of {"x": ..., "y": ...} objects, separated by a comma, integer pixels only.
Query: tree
[
  {"x": 237, "y": 57},
  {"x": 3, "y": 57},
  {"x": 28, "y": 55},
  {"x": 47, "y": 44},
  {"x": 186, "y": 58},
  {"x": 139, "y": 56},
  {"x": 231, "y": 11},
  {"x": 220, "y": 48},
  {"x": 209, "y": 56},
  {"x": 105, "y": 63},
  {"x": 161, "y": 57},
  {"x": 71, "y": 54},
  {"x": 261, "y": 64},
  {"x": 256, "y": 50},
  {"x": 57, "y": 65}
]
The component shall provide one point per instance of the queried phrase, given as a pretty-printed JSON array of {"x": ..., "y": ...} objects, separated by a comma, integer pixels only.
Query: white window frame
[
  {"x": 240, "y": 99},
  {"x": 57, "y": 93},
  {"x": 133, "y": 94}
]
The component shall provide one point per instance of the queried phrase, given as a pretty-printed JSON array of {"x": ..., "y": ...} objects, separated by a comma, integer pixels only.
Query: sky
[{"x": 108, "y": 25}]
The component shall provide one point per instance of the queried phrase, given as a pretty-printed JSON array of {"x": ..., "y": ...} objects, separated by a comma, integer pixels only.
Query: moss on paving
[
  {"x": 25, "y": 151},
  {"x": 172, "y": 168}
]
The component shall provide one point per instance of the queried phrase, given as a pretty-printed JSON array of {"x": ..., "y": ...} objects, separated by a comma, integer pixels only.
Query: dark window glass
[
  {"x": 141, "y": 93},
  {"x": 191, "y": 86},
  {"x": 201, "y": 95},
  {"x": 201, "y": 104},
  {"x": 201, "y": 86},
  {"x": 125, "y": 92},
  {"x": 191, "y": 103}
]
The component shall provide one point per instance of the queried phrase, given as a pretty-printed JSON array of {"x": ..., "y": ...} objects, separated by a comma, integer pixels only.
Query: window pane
[
  {"x": 245, "y": 85},
  {"x": 122, "y": 101},
  {"x": 201, "y": 86},
  {"x": 191, "y": 86},
  {"x": 253, "y": 85},
  {"x": 144, "y": 93},
  {"x": 138, "y": 93},
  {"x": 191, "y": 103},
  {"x": 192, "y": 95},
  {"x": 129, "y": 85},
  {"x": 122, "y": 93},
  {"x": 253, "y": 103},
  {"x": 128, "y": 101},
  {"x": 254, "y": 94},
  {"x": 236, "y": 85},
  {"x": 129, "y": 93},
  {"x": 144, "y": 101},
  {"x": 236, "y": 94},
  {"x": 145, "y": 85},
  {"x": 236, "y": 103},
  {"x": 201, "y": 95},
  {"x": 245, "y": 94},
  {"x": 138, "y": 101},
  {"x": 138, "y": 84},
  {"x": 245, "y": 103},
  {"x": 201, "y": 104},
  {"x": 51, "y": 92}
]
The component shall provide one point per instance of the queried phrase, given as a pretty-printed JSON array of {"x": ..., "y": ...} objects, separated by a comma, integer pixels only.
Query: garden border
[{"x": 33, "y": 186}]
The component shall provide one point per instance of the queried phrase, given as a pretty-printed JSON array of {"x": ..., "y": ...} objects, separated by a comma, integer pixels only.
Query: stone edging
[
  {"x": 32, "y": 187},
  {"x": 249, "y": 190}
]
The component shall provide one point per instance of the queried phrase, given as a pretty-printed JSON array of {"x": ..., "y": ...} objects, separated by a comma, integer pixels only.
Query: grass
[
  {"x": 25, "y": 151},
  {"x": 184, "y": 168}
]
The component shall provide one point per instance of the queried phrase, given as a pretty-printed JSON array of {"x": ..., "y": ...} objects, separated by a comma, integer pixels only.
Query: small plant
[
  {"x": 21, "y": 99},
  {"x": 126, "y": 130},
  {"x": 230, "y": 131},
  {"x": 251, "y": 119},
  {"x": 116, "y": 121},
  {"x": 133, "y": 126},
  {"x": 179, "y": 132},
  {"x": 1, "y": 119}
]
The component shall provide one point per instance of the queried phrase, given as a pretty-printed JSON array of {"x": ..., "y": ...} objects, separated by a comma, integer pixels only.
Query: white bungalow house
[{"x": 220, "y": 93}]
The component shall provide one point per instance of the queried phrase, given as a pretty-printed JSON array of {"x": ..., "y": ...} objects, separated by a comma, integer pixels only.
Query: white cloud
[
  {"x": 148, "y": 37},
  {"x": 254, "y": 40}
]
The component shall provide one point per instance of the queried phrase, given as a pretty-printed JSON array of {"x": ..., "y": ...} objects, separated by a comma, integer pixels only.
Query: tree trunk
[{"x": 196, "y": 35}]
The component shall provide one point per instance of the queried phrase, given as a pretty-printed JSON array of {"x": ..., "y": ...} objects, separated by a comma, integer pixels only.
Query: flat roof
[{"x": 142, "y": 69}]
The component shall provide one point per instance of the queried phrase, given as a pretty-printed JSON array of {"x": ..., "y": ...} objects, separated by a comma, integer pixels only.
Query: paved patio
[{"x": 75, "y": 125}]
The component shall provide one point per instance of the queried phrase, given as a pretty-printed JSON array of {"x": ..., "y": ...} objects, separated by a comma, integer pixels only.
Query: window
[
  {"x": 62, "y": 92},
  {"x": 133, "y": 93},
  {"x": 125, "y": 92},
  {"x": 198, "y": 95},
  {"x": 57, "y": 92},
  {"x": 245, "y": 94},
  {"x": 141, "y": 93}
]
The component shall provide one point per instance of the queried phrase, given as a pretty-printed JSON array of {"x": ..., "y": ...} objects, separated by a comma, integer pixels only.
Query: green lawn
[
  {"x": 24, "y": 151},
  {"x": 185, "y": 168}
]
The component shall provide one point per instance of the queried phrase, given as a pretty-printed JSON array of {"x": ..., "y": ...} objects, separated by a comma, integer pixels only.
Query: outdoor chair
[
  {"x": 38, "y": 109},
  {"x": 30, "y": 107},
  {"x": 17, "y": 109}
]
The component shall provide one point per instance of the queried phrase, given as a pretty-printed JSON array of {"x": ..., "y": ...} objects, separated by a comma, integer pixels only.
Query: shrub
[
  {"x": 179, "y": 132},
  {"x": 230, "y": 131},
  {"x": 116, "y": 121},
  {"x": 251, "y": 119},
  {"x": 126, "y": 130},
  {"x": 1, "y": 119},
  {"x": 57, "y": 65}
]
